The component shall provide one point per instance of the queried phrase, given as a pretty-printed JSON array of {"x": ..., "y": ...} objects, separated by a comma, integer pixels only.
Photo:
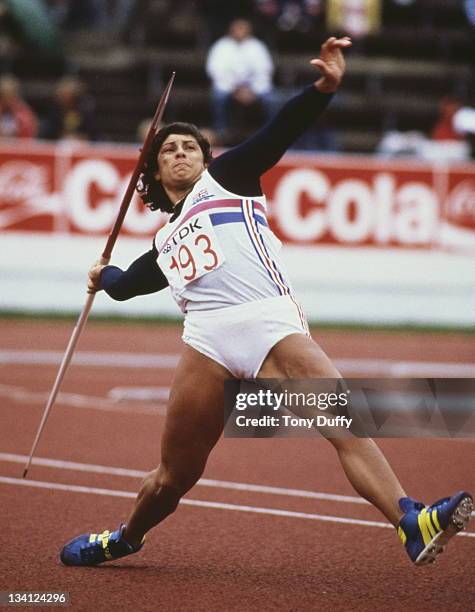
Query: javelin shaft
[
  {"x": 60, "y": 375},
  {"x": 106, "y": 255},
  {"x": 154, "y": 127}
]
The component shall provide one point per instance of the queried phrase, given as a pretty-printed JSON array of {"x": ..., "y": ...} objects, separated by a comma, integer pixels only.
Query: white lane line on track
[
  {"x": 91, "y": 358},
  {"x": 204, "y": 482},
  {"x": 203, "y": 504},
  {"x": 112, "y": 403},
  {"x": 404, "y": 369},
  {"x": 360, "y": 367}
]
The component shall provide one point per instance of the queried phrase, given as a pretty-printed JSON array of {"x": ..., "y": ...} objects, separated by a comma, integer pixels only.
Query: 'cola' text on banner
[{"x": 312, "y": 199}]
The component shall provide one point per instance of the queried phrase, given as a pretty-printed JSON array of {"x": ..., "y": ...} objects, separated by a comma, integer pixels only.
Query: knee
[
  {"x": 170, "y": 482},
  {"x": 178, "y": 483}
]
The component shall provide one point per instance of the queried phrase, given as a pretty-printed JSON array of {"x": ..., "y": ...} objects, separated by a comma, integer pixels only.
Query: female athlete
[{"x": 221, "y": 262}]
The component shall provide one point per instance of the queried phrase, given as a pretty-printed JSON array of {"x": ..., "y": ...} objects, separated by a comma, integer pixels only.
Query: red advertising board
[{"x": 348, "y": 201}]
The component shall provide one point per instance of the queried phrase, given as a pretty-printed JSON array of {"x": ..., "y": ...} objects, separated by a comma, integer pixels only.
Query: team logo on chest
[{"x": 200, "y": 196}]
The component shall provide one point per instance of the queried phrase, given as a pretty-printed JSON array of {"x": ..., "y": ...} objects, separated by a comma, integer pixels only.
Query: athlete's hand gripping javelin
[
  {"x": 331, "y": 63},
  {"x": 94, "y": 277}
]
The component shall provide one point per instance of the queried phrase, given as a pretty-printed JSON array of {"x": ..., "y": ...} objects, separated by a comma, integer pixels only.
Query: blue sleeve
[
  {"x": 142, "y": 277},
  {"x": 239, "y": 169}
]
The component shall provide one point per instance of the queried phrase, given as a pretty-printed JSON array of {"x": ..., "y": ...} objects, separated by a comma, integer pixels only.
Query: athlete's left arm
[
  {"x": 142, "y": 277},
  {"x": 240, "y": 168}
]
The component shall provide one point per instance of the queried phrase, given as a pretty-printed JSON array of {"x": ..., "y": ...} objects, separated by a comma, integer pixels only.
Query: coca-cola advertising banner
[{"x": 313, "y": 199}]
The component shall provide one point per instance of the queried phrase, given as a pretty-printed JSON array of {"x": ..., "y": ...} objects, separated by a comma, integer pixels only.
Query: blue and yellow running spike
[
  {"x": 92, "y": 548},
  {"x": 425, "y": 531}
]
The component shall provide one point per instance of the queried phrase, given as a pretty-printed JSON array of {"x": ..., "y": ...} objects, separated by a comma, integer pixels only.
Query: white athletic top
[
  {"x": 231, "y": 64},
  {"x": 220, "y": 252}
]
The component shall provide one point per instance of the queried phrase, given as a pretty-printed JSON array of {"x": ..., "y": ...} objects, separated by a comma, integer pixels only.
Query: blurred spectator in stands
[
  {"x": 354, "y": 17},
  {"x": 72, "y": 113},
  {"x": 464, "y": 123},
  {"x": 464, "y": 120},
  {"x": 298, "y": 14},
  {"x": 401, "y": 144},
  {"x": 452, "y": 132},
  {"x": 313, "y": 8},
  {"x": 240, "y": 67},
  {"x": 444, "y": 128},
  {"x": 17, "y": 120},
  {"x": 274, "y": 17},
  {"x": 449, "y": 138}
]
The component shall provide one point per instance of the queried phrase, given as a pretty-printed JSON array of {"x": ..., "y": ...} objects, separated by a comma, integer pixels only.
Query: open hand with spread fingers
[{"x": 331, "y": 63}]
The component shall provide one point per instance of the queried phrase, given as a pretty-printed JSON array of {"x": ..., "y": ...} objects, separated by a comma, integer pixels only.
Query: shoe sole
[{"x": 458, "y": 521}]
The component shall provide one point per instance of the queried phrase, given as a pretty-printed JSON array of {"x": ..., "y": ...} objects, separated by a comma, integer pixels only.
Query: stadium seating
[{"x": 394, "y": 81}]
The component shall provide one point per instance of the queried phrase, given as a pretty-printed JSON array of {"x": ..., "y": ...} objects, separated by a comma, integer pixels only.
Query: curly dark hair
[
  {"x": 157, "y": 198},
  {"x": 188, "y": 129}
]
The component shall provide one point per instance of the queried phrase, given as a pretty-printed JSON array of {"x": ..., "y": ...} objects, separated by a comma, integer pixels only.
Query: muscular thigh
[
  {"x": 300, "y": 357},
  {"x": 195, "y": 411},
  {"x": 297, "y": 356}
]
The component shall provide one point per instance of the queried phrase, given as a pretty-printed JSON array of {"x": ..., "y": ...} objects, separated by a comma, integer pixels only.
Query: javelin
[{"x": 104, "y": 260}]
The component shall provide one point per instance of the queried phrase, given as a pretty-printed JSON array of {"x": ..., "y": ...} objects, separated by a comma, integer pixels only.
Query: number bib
[{"x": 191, "y": 252}]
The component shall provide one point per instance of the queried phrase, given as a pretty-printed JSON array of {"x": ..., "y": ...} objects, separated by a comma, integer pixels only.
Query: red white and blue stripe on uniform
[
  {"x": 252, "y": 214},
  {"x": 220, "y": 212},
  {"x": 252, "y": 225}
]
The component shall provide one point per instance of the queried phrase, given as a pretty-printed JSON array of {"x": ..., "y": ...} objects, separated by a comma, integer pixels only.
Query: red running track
[{"x": 279, "y": 554}]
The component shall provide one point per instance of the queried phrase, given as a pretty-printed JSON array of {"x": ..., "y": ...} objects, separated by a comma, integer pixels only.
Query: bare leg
[
  {"x": 370, "y": 474},
  {"x": 297, "y": 356},
  {"x": 193, "y": 426}
]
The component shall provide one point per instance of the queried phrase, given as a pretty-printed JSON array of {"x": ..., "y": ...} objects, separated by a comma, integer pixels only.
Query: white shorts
[{"x": 240, "y": 337}]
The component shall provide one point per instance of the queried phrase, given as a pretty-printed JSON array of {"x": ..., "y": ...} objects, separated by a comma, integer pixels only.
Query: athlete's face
[{"x": 180, "y": 161}]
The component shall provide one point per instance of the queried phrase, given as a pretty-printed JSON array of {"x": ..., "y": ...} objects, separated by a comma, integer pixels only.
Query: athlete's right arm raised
[
  {"x": 239, "y": 169},
  {"x": 142, "y": 277}
]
